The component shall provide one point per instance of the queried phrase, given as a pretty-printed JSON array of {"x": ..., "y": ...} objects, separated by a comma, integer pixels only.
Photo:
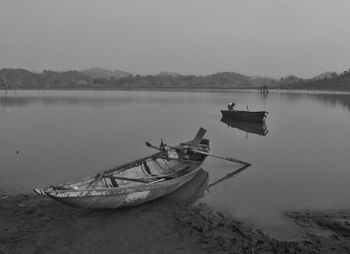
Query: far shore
[{"x": 184, "y": 89}]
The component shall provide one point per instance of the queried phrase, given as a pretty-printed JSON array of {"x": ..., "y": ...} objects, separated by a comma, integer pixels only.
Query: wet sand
[{"x": 32, "y": 224}]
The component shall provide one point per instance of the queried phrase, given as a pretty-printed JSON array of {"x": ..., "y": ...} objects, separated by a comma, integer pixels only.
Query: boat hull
[
  {"x": 111, "y": 198},
  {"x": 257, "y": 127},
  {"x": 249, "y": 116}
]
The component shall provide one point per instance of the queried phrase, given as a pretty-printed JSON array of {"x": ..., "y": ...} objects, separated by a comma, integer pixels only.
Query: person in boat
[{"x": 231, "y": 106}]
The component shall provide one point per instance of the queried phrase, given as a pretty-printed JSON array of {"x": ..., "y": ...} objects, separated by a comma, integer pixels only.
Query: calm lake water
[{"x": 302, "y": 162}]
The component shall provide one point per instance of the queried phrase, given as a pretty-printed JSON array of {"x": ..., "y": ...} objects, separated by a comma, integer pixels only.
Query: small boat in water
[
  {"x": 138, "y": 181},
  {"x": 249, "y": 116},
  {"x": 258, "y": 128}
]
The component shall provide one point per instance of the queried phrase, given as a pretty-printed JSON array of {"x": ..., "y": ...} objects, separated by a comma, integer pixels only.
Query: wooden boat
[
  {"x": 138, "y": 181},
  {"x": 258, "y": 128},
  {"x": 249, "y": 116}
]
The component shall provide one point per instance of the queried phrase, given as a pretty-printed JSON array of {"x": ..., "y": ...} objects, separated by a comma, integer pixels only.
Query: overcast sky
[{"x": 254, "y": 37}]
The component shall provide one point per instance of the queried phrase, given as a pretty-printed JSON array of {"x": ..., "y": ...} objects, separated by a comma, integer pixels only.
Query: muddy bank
[
  {"x": 320, "y": 232},
  {"x": 326, "y": 231},
  {"x": 30, "y": 224}
]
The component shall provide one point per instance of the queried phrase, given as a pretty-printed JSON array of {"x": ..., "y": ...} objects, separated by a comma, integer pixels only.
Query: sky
[{"x": 271, "y": 38}]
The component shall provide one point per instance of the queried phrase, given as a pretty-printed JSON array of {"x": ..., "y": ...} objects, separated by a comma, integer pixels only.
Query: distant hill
[
  {"x": 289, "y": 80},
  {"x": 20, "y": 78},
  {"x": 167, "y": 73},
  {"x": 93, "y": 79},
  {"x": 228, "y": 79},
  {"x": 24, "y": 79},
  {"x": 98, "y": 73},
  {"x": 65, "y": 79},
  {"x": 325, "y": 75},
  {"x": 339, "y": 82}
]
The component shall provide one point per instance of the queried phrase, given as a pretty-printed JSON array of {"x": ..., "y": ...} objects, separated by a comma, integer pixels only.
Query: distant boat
[
  {"x": 258, "y": 128},
  {"x": 138, "y": 181},
  {"x": 249, "y": 116}
]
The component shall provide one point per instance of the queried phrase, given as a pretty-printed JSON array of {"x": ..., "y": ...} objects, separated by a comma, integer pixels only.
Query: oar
[
  {"x": 195, "y": 149},
  {"x": 221, "y": 157}
]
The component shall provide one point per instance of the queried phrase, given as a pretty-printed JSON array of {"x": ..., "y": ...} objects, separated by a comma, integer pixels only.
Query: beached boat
[
  {"x": 258, "y": 128},
  {"x": 138, "y": 181},
  {"x": 249, "y": 116}
]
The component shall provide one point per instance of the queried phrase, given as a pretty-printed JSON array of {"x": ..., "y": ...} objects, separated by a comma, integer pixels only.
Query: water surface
[{"x": 302, "y": 161}]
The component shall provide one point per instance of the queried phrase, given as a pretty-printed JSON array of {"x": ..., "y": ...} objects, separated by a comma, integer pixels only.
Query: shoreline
[
  {"x": 177, "y": 89},
  {"x": 31, "y": 224}
]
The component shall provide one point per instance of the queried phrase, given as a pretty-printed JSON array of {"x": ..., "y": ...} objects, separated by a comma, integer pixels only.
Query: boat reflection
[
  {"x": 192, "y": 190},
  {"x": 258, "y": 128},
  {"x": 196, "y": 188},
  {"x": 228, "y": 176}
]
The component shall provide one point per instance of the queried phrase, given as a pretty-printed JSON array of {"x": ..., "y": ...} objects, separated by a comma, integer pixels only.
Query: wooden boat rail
[
  {"x": 161, "y": 155},
  {"x": 121, "y": 168},
  {"x": 156, "y": 179},
  {"x": 146, "y": 179}
]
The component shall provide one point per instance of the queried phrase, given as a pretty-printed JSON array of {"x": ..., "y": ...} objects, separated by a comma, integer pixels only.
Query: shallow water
[{"x": 302, "y": 161}]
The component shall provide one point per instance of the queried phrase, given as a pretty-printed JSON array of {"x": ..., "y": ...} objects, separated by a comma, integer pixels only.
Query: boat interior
[{"x": 162, "y": 166}]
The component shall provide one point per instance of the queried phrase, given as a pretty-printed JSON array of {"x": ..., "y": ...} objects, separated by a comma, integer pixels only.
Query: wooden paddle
[{"x": 219, "y": 157}]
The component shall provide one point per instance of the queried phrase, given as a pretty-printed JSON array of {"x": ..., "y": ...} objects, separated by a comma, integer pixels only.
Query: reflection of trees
[
  {"x": 95, "y": 98},
  {"x": 264, "y": 97},
  {"x": 13, "y": 98},
  {"x": 335, "y": 99},
  {"x": 331, "y": 99}
]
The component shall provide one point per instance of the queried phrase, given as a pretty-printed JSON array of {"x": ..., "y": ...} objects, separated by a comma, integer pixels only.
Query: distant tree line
[
  {"x": 218, "y": 80},
  {"x": 331, "y": 82},
  {"x": 24, "y": 79}
]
